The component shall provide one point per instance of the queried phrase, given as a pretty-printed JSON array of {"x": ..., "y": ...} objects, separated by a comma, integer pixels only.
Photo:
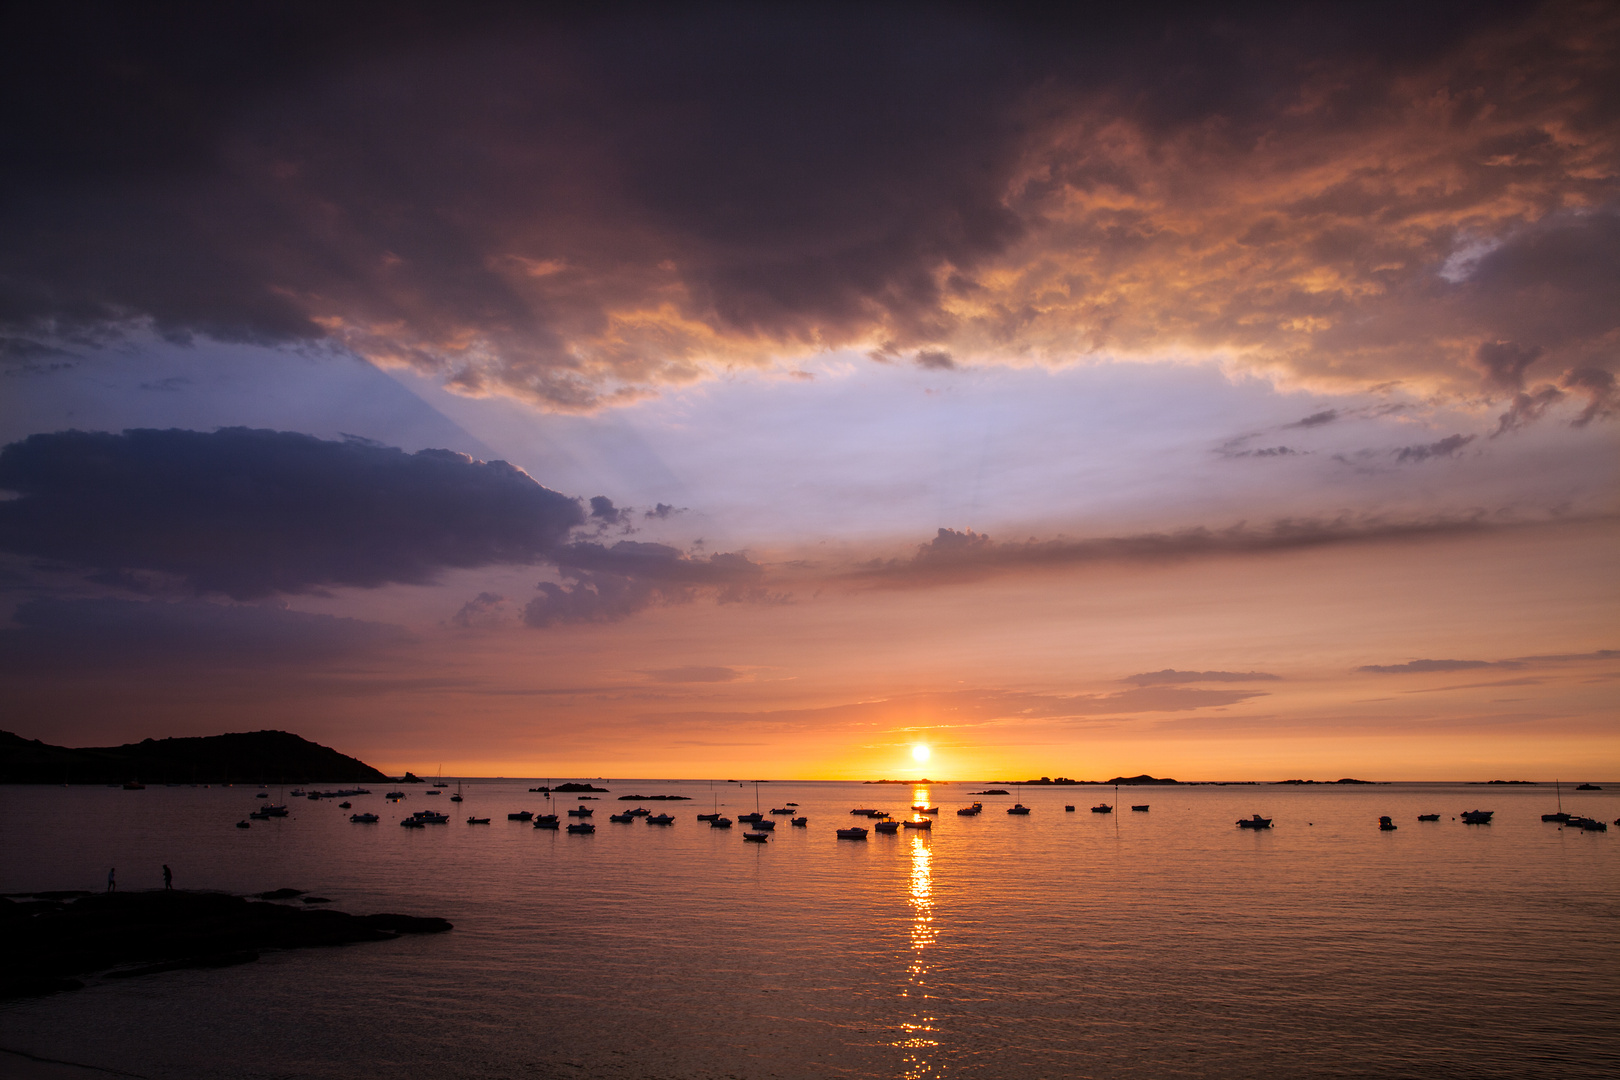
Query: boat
[
  {"x": 345, "y": 806},
  {"x": 1256, "y": 822},
  {"x": 430, "y": 791},
  {"x": 1019, "y": 809},
  {"x": 919, "y": 823},
  {"x": 262, "y": 795},
  {"x": 887, "y": 828},
  {"x": 1477, "y": 817},
  {"x": 970, "y": 811},
  {"x": 790, "y": 804},
  {"x": 521, "y": 815},
  {"x": 720, "y": 823},
  {"x": 782, "y": 811},
  {"x": 428, "y": 817},
  {"x": 394, "y": 795},
  {"x": 1428, "y": 817},
  {"x": 765, "y": 826},
  {"x": 856, "y": 833},
  {"x": 273, "y": 811},
  {"x": 1068, "y": 808},
  {"x": 413, "y": 823},
  {"x": 1588, "y": 787},
  {"x": 623, "y": 819},
  {"x": 640, "y": 811},
  {"x": 457, "y": 796},
  {"x": 1588, "y": 824},
  {"x": 709, "y": 817},
  {"x": 868, "y": 813},
  {"x": 1386, "y": 825},
  {"x": 1102, "y": 808},
  {"x": 919, "y": 808},
  {"x": 1139, "y": 809},
  {"x": 756, "y": 837},
  {"x": 478, "y": 821},
  {"x": 751, "y": 819},
  {"x": 799, "y": 822},
  {"x": 364, "y": 819},
  {"x": 299, "y": 793},
  {"x": 1561, "y": 816},
  {"x": 581, "y": 828},
  {"x": 666, "y": 819},
  {"x": 243, "y": 825},
  {"x": 581, "y": 812},
  {"x": 547, "y": 821}
]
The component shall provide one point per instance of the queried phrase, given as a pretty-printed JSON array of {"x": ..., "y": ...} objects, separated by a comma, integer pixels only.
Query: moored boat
[
  {"x": 521, "y": 815},
  {"x": 1102, "y": 808},
  {"x": 364, "y": 819},
  {"x": 800, "y": 822},
  {"x": 1428, "y": 817},
  {"x": 623, "y": 819},
  {"x": 756, "y": 837},
  {"x": 887, "y": 828},
  {"x": 1019, "y": 809},
  {"x": 581, "y": 812},
  {"x": 547, "y": 821},
  {"x": 1477, "y": 817},
  {"x": 919, "y": 823},
  {"x": 1385, "y": 824},
  {"x": 478, "y": 821},
  {"x": 1139, "y": 809},
  {"x": 919, "y": 808},
  {"x": 1256, "y": 822},
  {"x": 970, "y": 811},
  {"x": 581, "y": 828},
  {"x": 720, "y": 823},
  {"x": 855, "y": 833},
  {"x": 666, "y": 819}
]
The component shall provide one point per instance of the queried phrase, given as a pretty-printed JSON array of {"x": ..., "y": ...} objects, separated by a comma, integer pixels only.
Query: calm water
[{"x": 1164, "y": 944}]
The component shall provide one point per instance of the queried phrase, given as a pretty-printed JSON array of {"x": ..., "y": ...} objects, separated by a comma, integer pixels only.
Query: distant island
[
  {"x": 247, "y": 757},
  {"x": 1487, "y": 783},
  {"x": 571, "y": 787},
  {"x": 936, "y": 783},
  {"x": 1346, "y": 780},
  {"x": 1064, "y": 781}
]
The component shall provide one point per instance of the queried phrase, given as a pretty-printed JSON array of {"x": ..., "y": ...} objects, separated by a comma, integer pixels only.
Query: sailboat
[
  {"x": 716, "y": 815},
  {"x": 1559, "y": 817},
  {"x": 439, "y": 780},
  {"x": 457, "y": 796}
]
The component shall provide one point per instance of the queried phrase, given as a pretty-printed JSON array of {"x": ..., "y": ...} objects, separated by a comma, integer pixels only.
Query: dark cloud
[
  {"x": 1602, "y": 397},
  {"x": 1326, "y": 416},
  {"x": 1421, "y": 666},
  {"x": 967, "y": 555},
  {"x": 1446, "y": 447},
  {"x": 485, "y": 609},
  {"x": 1504, "y": 363},
  {"x": 1263, "y": 452},
  {"x": 663, "y": 510},
  {"x": 694, "y": 675},
  {"x": 250, "y": 513},
  {"x": 935, "y": 360},
  {"x": 96, "y": 634},
  {"x": 1527, "y": 407},
  {"x": 603, "y": 511},
  {"x": 1170, "y": 675},
  {"x": 577, "y": 208},
  {"x": 605, "y": 584}
]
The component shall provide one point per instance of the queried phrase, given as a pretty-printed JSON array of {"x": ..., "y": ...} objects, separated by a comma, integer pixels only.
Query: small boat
[
  {"x": 274, "y": 811},
  {"x": 1102, "y": 808},
  {"x": 1477, "y": 817},
  {"x": 1068, "y": 808},
  {"x": 709, "y": 817},
  {"x": 1588, "y": 824},
  {"x": 623, "y": 819},
  {"x": 582, "y": 812},
  {"x": 799, "y": 822},
  {"x": 430, "y": 791},
  {"x": 791, "y": 804},
  {"x": 1561, "y": 817},
  {"x": 765, "y": 826},
  {"x": 547, "y": 821},
  {"x": 666, "y": 819},
  {"x": 919, "y": 808},
  {"x": 364, "y": 819},
  {"x": 857, "y": 833},
  {"x": 582, "y": 828},
  {"x": 413, "y": 823},
  {"x": 299, "y": 793},
  {"x": 478, "y": 821},
  {"x": 1386, "y": 825},
  {"x": 782, "y": 811},
  {"x": 970, "y": 811},
  {"x": 1588, "y": 787},
  {"x": 1139, "y": 809},
  {"x": 262, "y": 795},
  {"x": 457, "y": 796},
  {"x": 866, "y": 813},
  {"x": 640, "y": 811},
  {"x": 720, "y": 823},
  {"x": 428, "y": 817},
  {"x": 756, "y": 837},
  {"x": 1428, "y": 817},
  {"x": 345, "y": 806},
  {"x": 521, "y": 815},
  {"x": 243, "y": 825},
  {"x": 394, "y": 795},
  {"x": 1019, "y": 809},
  {"x": 751, "y": 819},
  {"x": 887, "y": 828},
  {"x": 1256, "y": 822},
  {"x": 919, "y": 823}
]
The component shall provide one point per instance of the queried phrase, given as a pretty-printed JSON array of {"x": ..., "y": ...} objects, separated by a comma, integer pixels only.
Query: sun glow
[{"x": 920, "y": 752}]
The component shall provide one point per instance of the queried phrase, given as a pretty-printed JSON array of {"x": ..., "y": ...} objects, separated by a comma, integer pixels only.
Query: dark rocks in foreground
[
  {"x": 239, "y": 757},
  {"x": 52, "y": 940}
]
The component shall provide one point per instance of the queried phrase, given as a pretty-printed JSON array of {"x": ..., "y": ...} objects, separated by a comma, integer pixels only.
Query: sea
[{"x": 1154, "y": 943}]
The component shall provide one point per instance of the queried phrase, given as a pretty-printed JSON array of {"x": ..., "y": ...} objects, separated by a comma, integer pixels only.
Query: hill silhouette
[{"x": 239, "y": 757}]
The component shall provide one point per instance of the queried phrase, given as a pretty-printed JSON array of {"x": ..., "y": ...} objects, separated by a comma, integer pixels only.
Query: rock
[{"x": 280, "y": 894}]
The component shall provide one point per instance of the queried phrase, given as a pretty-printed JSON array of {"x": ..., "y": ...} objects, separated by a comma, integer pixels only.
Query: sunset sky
[{"x": 712, "y": 390}]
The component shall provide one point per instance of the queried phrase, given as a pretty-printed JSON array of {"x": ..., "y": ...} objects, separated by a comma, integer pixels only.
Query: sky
[{"x": 819, "y": 391}]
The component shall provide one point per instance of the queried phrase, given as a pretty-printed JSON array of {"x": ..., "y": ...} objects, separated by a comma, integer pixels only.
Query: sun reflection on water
[{"x": 918, "y": 1035}]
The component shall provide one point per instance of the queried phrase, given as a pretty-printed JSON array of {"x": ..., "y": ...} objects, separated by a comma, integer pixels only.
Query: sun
[{"x": 920, "y": 752}]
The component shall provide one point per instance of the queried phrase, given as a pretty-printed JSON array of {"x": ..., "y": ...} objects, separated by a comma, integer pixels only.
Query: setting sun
[{"x": 919, "y": 752}]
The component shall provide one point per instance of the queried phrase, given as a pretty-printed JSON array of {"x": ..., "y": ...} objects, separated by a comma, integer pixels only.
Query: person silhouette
[
  {"x": 112, "y": 880},
  {"x": 168, "y": 877}
]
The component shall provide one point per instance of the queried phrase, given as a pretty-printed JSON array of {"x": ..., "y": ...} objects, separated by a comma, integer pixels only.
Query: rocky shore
[{"x": 54, "y": 940}]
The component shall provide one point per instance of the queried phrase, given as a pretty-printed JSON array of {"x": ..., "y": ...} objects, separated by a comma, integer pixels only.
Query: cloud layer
[
  {"x": 252, "y": 513},
  {"x": 580, "y": 209}
]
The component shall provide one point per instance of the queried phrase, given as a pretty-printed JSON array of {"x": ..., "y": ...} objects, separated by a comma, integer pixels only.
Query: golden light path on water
[{"x": 918, "y": 1035}]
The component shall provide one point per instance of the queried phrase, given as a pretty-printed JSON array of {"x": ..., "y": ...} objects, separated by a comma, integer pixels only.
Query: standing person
[
  {"x": 168, "y": 878},
  {"x": 112, "y": 880}
]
